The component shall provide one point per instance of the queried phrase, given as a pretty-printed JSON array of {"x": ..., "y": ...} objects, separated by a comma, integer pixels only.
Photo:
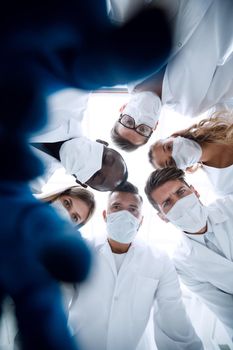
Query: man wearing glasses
[{"x": 138, "y": 119}]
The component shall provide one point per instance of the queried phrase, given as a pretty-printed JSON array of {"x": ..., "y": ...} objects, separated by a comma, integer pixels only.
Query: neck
[
  {"x": 201, "y": 232},
  {"x": 117, "y": 247},
  {"x": 217, "y": 155}
]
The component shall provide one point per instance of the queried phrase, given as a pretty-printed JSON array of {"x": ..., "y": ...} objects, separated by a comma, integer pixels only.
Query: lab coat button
[
  {"x": 179, "y": 44},
  {"x": 115, "y": 298}
]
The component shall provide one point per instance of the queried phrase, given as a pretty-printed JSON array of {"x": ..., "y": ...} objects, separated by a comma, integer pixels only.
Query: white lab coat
[
  {"x": 199, "y": 73},
  {"x": 199, "y": 70},
  {"x": 112, "y": 310},
  {"x": 207, "y": 273},
  {"x": 66, "y": 110}
]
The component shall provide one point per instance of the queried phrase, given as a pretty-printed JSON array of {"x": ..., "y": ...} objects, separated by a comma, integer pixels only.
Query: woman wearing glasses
[{"x": 138, "y": 119}]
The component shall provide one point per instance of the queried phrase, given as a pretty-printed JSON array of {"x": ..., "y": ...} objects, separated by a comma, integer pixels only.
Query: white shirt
[
  {"x": 119, "y": 258},
  {"x": 204, "y": 271},
  {"x": 112, "y": 310}
]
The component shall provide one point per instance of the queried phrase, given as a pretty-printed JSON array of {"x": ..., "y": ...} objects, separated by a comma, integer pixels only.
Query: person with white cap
[
  {"x": 111, "y": 310},
  {"x": 137, "y": 121},
  {"x": 204, "y": 258},
  {"x": 61, "y": 143},
  {"x": 197, "y": 75},
  {"x": 207, "y": 144},
  {"x": 92, "y": 163}
]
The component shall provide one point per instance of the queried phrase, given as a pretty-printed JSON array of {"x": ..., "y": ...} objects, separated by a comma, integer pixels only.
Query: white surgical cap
[
  {"x": 82, "y": 157},
  {"x": 144, "y": 107}
]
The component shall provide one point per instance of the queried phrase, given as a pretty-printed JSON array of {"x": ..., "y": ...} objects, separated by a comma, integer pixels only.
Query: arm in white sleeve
[
  {"x": 50, "y": 164},
  {"x": 173, "y": 328},
  {"x": 218, "y": 301}
]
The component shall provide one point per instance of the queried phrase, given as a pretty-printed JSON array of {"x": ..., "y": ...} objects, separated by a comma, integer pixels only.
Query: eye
[
  {"x": 66, "y": 203},
  {"x": 74, "y": 218},
  {"x": 142, "y": 128},
  {"x": 115, "y": 207},
  {"x": 133, "y": 210},
  {"x": 166, "y": 203},
  {"x": 181, "y": 192},
  {"x": 169, "y": 147}
]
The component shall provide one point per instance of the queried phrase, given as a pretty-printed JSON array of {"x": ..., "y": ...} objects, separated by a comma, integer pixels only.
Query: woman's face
[
  {"x": 161, "y": 153},
  {"x": 77, "y": 208}
]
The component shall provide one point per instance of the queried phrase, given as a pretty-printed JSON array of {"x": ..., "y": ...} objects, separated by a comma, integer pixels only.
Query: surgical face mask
[
  {"x": 144, "y": 108},
  {"x": 188, "y": 214},
  {"x": 61, "y": 211},
  {"x": 122, "y": 226},
  {"x": 185, "y": 152}
]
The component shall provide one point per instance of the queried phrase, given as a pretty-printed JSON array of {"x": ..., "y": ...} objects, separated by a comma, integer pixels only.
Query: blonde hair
[
  {"x": 217, "y": 128},
  {"x": 76, "y": 192}
]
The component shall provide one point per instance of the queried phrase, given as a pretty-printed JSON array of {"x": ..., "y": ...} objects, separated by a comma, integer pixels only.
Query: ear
[
  {"x": 162, "y": 217},
  {"x": 122, "y": 108},
  {"x": 104, "y": 215},
  {"x": 155, "y": 126},
  {"x": 103, "y": 142},
  {"x": 195, "y": 191}
]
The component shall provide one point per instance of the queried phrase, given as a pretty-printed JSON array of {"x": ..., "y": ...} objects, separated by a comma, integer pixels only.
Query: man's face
[
  {"x": 125, "y": 201},
  {"x": 169, "y": 193},
  {"x": 112, "y": 173},
  {"x": 162, "y": 153}
]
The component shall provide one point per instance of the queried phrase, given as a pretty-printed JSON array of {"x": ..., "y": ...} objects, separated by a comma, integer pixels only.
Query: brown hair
[
  {"x": 77, "y": 192},
  {"x": 216, "y": 129},
  {"x": 123, "y": 143},
  {"x": 159, "y": 177}
]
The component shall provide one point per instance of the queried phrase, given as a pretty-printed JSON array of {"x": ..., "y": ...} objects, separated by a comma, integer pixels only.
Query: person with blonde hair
[
  {"x": 207, "y": 144},
  {"x": 73, "y": 202}
]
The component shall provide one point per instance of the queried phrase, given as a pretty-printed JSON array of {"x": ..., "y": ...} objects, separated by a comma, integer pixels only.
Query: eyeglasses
[{"x": 129, "y": 122}]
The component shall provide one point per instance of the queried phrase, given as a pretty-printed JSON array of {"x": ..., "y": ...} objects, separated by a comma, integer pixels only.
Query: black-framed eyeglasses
[{"x": 128, "y": 122}]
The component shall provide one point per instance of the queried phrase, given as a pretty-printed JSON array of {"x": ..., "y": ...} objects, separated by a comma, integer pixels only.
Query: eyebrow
[
  {"x": 173, "y": 193},
  {"x": 114, "y": 203}
]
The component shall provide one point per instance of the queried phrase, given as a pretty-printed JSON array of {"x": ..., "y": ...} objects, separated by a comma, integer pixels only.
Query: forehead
[
  {"x": 164, "y": 191},
  {"x": 124, "y": 198}
]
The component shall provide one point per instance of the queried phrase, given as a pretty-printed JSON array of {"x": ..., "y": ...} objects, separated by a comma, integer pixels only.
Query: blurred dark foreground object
[{"x": 46, "y": 47}]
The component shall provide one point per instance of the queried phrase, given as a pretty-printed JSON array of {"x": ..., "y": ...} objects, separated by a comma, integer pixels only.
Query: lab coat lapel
[
  {"x": 128, "y": 258},
  {"x": 223, "y": 241},
  {"x": 107, "y": 253},
  {"x": 210, "y": 266}
]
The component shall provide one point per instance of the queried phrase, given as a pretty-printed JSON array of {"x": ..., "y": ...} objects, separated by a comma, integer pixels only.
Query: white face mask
[
  {"x": 185, "y": 152},
  {"x": 188, "y": 214},
  {"x": 122, "y": 226},
  {"x": 144, "y": 108}
]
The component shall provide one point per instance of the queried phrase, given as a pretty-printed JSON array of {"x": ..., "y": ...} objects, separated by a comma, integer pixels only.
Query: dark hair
[
  {"x": 83, "y": 194},
  {"x": 127, "y": 187},
  {"x": 159, "y": 177},
  {"x": 150, "y": 155},
  {"x": 121, "y": 142}
]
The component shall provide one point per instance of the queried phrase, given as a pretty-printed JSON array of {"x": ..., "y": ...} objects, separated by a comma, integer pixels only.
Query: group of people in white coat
[{"x": 129, "y": 278}]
